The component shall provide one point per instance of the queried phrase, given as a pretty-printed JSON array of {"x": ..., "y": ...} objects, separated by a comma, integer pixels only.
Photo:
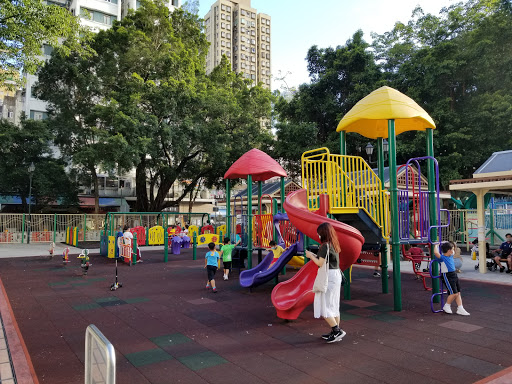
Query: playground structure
[
  {"x": 148, "y": 228},
  {"x": 347, "y": 189}
]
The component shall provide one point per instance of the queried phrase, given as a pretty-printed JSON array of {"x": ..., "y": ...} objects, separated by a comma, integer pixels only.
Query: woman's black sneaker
[
  {"x": 326, "y": 336},
  {"x": 336, "y": 336}
]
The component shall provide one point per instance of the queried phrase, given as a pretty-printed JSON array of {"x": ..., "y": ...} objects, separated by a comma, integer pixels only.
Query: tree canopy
[
  {"x": 456, "y": 65},
  {"x": 26, "y": 144},
  {"x": 144, "y": 101},
  {"x": 25, "y": 25}
]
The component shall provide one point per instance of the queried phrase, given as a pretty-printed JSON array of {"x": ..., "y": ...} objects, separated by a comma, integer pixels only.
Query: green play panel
[
  {"x": 169, "y": 340},
  {"x": 134, "y": 300},
  {"x": 387, "y": 318},
  {"x": 202, "y": 360},
  {"x": 86, "y": 306},
  {"x": 152, "y": 356}
]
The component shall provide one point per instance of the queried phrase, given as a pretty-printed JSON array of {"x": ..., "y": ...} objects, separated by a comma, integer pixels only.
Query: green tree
[
  {"x": 339, "y": 78},
  {"x": 146, "y": 94},
  {"x": 30, "y": 142},
  {"x": 25, "y": 25},
  {"x": 457, "y": 67}
]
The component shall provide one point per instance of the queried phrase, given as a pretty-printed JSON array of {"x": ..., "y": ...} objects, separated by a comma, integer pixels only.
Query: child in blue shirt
[
  {"x": 211, "y": 263},
  {"x": 450, "y": 278}
]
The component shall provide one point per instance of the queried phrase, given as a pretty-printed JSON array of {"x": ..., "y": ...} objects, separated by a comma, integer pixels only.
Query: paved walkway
[{"x": 167, "y": 328}]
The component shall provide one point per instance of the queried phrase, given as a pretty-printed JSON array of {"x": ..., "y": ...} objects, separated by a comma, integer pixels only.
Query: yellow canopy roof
[{"x": 369, "y": 117}]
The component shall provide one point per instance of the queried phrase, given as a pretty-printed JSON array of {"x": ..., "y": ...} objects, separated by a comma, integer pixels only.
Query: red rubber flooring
[{"x": 166, "y": 328}]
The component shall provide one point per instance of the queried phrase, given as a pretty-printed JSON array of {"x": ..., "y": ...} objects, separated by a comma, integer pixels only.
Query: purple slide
[{"x": 261, "y": 273}]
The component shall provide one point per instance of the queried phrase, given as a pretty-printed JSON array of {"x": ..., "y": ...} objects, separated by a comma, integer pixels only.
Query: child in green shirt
[{"x": 225, "y": 253}]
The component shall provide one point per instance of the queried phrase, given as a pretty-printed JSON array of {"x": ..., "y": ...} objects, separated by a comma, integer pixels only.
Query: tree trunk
[
  {"x": 96, "y": 190},
  {"x": 141, "y": 192}
]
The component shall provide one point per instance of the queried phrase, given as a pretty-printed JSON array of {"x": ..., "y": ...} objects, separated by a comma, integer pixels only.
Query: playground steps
[{"x": 362, "y": 222}]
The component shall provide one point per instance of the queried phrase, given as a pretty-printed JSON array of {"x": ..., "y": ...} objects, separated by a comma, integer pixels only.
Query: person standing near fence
[{"x": 327, "y": 304}]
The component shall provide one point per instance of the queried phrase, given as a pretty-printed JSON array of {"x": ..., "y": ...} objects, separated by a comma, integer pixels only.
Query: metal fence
[
  {"x": 41, "y": 228},
  {"x": 463, "y": 226}
]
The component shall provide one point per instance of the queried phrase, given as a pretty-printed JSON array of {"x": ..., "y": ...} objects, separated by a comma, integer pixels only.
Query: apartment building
[{"x": 237, "y": 30}]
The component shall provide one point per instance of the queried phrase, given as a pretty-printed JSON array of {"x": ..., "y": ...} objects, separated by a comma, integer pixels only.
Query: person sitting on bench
[{"x": 504, "y": 253}]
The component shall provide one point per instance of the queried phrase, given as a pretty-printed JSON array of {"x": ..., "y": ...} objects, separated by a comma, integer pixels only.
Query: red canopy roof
[{"x": 257, "y": 164}]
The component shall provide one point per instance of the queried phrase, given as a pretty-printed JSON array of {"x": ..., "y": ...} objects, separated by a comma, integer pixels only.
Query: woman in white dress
[{"x": 327, "y": 305}]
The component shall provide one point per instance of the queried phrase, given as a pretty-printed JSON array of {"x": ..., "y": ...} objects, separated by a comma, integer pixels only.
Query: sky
[{"x": 297, "y": 25}]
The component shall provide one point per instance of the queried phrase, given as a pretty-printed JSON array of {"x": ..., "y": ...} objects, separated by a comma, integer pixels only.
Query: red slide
[{"x": 292, "y": 296}]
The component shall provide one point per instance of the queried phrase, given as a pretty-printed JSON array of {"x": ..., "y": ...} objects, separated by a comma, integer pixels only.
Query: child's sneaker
[
  {"x": 225, "y": 277},
  {"x": 327, "y": 335},
  {"x": 376, "y": 274},
  {"x": 207, "y": 286},
  {"x": 447, "y": 309},
  {"x": 502, "y": 269},
  {"x": 461, "y": 311},
  {"x": 214, "y": 290}
]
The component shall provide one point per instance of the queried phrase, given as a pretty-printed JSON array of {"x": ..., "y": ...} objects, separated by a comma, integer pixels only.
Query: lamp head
[{"x": 369, "y": 149}]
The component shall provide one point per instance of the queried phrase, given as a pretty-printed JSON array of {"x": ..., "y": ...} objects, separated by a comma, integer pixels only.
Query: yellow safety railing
[{"x": 349, "y": 182}]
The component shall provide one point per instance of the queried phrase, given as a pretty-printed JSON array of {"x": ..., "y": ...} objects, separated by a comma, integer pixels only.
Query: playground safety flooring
[{"x": 166, "y": 328}]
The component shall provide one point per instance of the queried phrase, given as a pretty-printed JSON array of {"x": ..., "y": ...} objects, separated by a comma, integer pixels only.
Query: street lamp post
[{"x": 31, "y": 170}]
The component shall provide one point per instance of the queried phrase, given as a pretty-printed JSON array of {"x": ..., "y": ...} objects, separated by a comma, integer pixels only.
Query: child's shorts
[
  {"x": 451, "y": 280},
  {"x": 227, "y": 264},
  {"x": 211, "y": 272}
]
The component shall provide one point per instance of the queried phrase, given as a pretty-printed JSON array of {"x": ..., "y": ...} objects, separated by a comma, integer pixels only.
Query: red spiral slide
[{"x": 292, "y": 296}]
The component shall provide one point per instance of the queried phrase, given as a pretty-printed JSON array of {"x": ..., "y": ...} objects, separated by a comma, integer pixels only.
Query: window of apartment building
[
  {"x": 223, "y": 7},
  {"x": 242, "y": 29},
  {"x": 228, "y": 8},
  {"x": 262, "y": 29},
  {"x": 242, "y": 21},
  {"x": 242, "y": 12},
  {"x": 223, "y": 43},
  {"x": 262, "y": 46},
  {"x": 253, "y": 59},
  {"x": 268, "y": 55},
  {"x": 228, "y": 44},
  {"x": 242, "y": 39},
  {"x": 223, "y": 25},
  {"x": 228, "y": 35},
  {"x": 228, "y": 26},
  {"x": 253, "y": 67},
  {"x": 228, "y": 54},
  {"x": 268, "y": 39},
  {"x": 262, "y": 55},
  {"x": 222, "y": 52},
  {"x": 243, "y": 65},
  {"x": 253, "y": 33},
  {"x": 223, "y": 34},
  {"x": 264, "y": 21},
  {"x": 253, "y": 77},
  {"x": 253, "y": 24},
  {"x": 253, "y": 15},
  {"x": 223, "y": 16},
  {"x": 268, "y": 30},
  {"x": 228, "y": 17},
  {"x": 37, "y": 115},
  {"x": 268, "y": 22},
  {"x": 47, "y": 50},
  {"x": 243, "y": 47},
  {"x": 10, "y": 114},
  {"x": 253, "y": 50}
]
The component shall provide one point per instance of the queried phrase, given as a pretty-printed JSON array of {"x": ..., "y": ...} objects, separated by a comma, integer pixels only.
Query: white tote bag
[{"x": 322, "y": 277}]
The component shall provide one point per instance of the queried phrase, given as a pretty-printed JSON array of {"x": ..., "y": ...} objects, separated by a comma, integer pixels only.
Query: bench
[{"x": 420, "y": 264}]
